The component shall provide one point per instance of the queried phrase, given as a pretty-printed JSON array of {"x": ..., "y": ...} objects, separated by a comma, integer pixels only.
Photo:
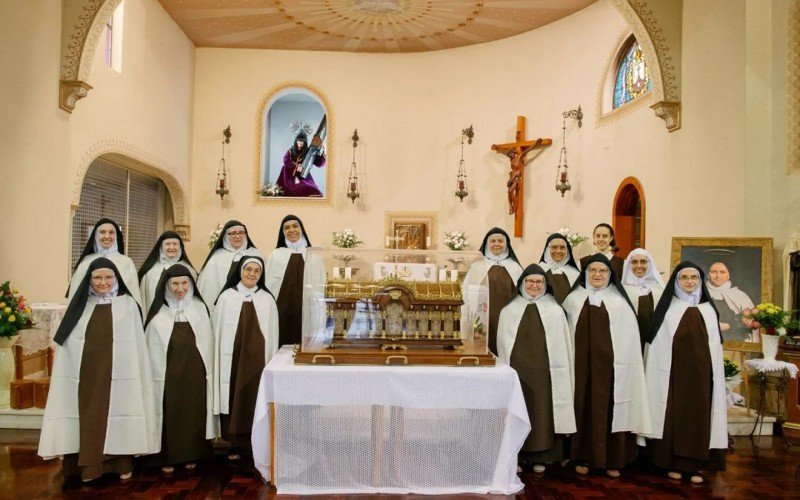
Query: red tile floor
[{"x": 767, "y": 470}]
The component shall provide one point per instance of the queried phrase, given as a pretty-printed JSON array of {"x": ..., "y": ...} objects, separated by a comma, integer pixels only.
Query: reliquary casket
[{"x": 393, "y": 307}]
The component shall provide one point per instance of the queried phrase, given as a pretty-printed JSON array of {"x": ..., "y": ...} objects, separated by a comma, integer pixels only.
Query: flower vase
[
  {"x": 6, "y": 367},
  {"x": 769, "y": 346}
]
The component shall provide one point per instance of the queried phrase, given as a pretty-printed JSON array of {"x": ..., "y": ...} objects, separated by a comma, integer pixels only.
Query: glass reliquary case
[{"x": 407, "y": 307}]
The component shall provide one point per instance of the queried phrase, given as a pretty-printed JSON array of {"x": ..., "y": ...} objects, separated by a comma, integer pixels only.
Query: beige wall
[
  {"x": 722, "y": 174},
  {"x": 410, "y": 108},
  {"x": 144, "y": 111}
]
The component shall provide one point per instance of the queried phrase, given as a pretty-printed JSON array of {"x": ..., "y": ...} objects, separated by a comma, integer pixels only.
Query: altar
[{"x": 388, "y": 429}]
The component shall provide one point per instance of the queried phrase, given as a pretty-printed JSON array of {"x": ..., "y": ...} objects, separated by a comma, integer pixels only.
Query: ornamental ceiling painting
[{"x": 361, "y": 25}]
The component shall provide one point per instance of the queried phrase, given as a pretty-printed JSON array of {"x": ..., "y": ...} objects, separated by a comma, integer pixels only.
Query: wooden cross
[{"x": 516, "y": 152}]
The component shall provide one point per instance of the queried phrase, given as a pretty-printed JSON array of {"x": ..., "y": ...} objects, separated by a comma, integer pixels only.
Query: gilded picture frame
[
  {"x": 748, "y": 263},
  {"x": 414, "y": 229}
]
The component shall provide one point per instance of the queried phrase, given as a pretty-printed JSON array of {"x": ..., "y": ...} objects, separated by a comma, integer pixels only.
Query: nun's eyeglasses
[
  {"x": 235, "y": 233},
  {"x": 597, "y": 271},
  {"x": 692, "y": 277}
]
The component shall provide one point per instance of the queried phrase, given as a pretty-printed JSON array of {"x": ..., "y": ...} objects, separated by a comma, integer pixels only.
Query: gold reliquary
[{"x": 406, "y": 307}]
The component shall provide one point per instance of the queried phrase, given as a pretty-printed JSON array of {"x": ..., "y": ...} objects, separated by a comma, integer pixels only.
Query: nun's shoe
[
  {"x": 675, "y": 475},
  {"x": 538, "y": 468},
  {"x": 612, "y": 473},
  {"x": 126, "y": 476},
  {"x": 167, "y": 470},
  {"x": 581, "y": 469},
  {"x": 697, "y": 479}
]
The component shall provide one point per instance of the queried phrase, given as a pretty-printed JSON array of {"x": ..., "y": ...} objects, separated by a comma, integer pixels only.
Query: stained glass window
[{"x": 633, "y": 78}]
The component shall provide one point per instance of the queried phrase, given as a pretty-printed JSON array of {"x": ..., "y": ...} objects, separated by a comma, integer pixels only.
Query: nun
[
  {"x": 245, "y": 324},
  {"x": 644, "y": 286},
  {"x": 686, "y": 379},
  {"x": 168, "y": 250},
  {"x": 560, "y": 266},
  {"x": 605, "y": 243},
  {"x": 181, "y": 346},
  {"x": 533, "y": 338},
  {"x": 106, "y": 240},
  {"x": 223, "y": 259},
  {"x": 288, "y": 267},
  {"x": 499, "y": 270},
  {"x": 610, "y": 391},
  {"x": 99, "y": 411}
]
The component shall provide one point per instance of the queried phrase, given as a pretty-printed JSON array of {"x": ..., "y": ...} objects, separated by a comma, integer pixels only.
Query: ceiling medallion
[{"x": 380, "y": 7}]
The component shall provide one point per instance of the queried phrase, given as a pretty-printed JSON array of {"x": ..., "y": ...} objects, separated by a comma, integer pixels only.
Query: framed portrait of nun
[
  {"x": 294, "y": 157},
  {"x": 738, "y": 277}
]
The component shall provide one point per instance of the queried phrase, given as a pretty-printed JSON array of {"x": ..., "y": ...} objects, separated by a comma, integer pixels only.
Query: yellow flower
[
  {"x": 761, "y": 307},
  {"x": 7, "y": 310},
  {"x": 27, "y": 310},
  {"x": 16, "y": 290},
  {"x": 12, "y": 318}
]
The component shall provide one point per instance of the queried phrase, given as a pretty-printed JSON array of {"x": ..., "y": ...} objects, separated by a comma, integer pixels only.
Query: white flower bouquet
[{"x": 456, "y": 240}]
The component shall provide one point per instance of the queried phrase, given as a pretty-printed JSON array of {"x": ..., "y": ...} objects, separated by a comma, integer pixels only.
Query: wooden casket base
[{"x": 391, "y": 351}]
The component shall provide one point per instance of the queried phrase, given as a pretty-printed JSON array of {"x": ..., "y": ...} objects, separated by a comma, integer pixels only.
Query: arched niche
[
  {"x": 628, "y": 216},
  {"x": 134, "y": 159},
  {"x": 270, "y": 149}
]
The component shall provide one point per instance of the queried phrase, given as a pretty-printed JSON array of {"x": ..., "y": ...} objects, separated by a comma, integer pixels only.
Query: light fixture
[
  {"x": 461, "y": 177},
  {"x": 222, "y": 172},
  {"x": 352, "y": 179},
  {"x": 562, "y": 178}
]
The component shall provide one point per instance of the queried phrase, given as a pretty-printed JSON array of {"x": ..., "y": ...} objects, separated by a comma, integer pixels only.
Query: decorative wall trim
[
  {"x": 670, "y": 112},
  {"x": 70, "y": 91},
  {"x": 793, "y": 90},
  {"x": 82, "y": 22},
  {"x": 142, "y": 161},
  {"x": 663, "y": 74}
]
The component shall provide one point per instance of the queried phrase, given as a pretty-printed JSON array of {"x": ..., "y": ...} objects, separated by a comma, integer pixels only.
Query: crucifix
[{"x": 516, "y": 152}]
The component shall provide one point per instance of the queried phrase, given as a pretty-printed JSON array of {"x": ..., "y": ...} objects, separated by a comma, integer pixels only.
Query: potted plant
[
  {"x": 771, "y": 320},
  {"x": 15, "y": 315}
]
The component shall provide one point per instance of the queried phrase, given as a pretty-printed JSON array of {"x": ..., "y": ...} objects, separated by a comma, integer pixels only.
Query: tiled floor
[{"x": 766, "y": 471}]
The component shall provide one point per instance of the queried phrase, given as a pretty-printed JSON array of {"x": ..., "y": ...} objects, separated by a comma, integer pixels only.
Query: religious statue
[
  {"x": 516, "y": 152},
  {"x": 518, "y": 162}
]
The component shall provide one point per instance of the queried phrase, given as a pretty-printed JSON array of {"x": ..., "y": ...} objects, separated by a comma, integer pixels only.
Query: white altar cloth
[
  {"x": 389, "y": 429},
  {"x": 407, "y": 271}
]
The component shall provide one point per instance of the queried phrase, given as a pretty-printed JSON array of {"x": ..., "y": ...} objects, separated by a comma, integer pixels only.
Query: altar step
[
  {"x": 30, "y": 418},
  {"x": 741, "y": 424}
]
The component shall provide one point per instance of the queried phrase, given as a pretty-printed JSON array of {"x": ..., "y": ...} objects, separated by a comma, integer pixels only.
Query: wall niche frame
[{"x": 296, "y": 101}]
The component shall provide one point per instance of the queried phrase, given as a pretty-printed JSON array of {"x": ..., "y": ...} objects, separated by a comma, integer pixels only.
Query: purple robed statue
[{"x": 290, "y": 178}]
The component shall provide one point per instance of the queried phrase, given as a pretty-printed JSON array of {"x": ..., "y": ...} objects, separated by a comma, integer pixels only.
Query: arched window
[
  {"x": 632, "y": 78},
  {"x": 628, "y": 217},
  {"x": 135, "y": 201}
]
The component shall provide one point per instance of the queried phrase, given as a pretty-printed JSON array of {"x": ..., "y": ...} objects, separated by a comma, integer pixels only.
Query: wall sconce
[
  {"x": 562, "y": 178},
  {"x": 222, "y": 171},
  {"x": 352, "y": 179},
  {"x": 461, "y": 177}
]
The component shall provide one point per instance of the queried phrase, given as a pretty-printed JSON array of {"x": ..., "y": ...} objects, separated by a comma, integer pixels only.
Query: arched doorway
[{"x": 628, "y": 216}]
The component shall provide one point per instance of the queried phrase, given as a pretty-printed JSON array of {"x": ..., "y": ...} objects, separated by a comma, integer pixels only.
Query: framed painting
[
  {"x": 738, "y": 276},
  {"x": 294, "y": 132},
  {"x": 410, "y": 230}
]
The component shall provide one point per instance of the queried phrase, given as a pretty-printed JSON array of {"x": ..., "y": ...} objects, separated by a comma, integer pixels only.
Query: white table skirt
[{"x": 390, "y": 429}]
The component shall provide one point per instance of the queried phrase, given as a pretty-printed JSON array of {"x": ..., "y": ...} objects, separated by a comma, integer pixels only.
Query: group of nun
[
  {"x": 156, "y": 363},
  {"x": 613, "y": 362}
]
